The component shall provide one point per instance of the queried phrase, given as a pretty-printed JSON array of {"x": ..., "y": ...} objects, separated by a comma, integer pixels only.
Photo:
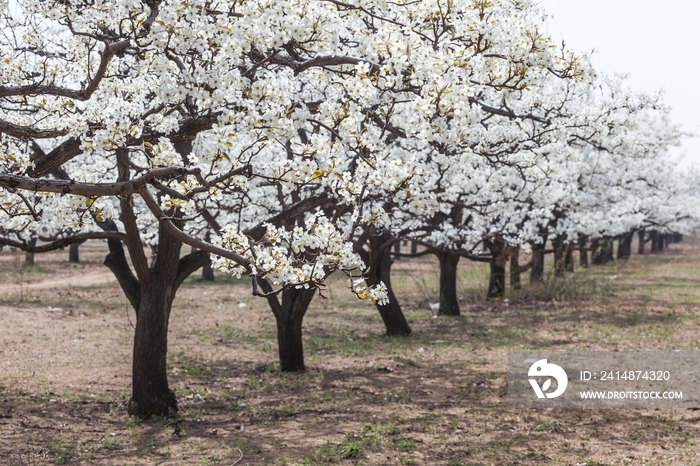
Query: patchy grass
[{"x": 435, "y": 398}]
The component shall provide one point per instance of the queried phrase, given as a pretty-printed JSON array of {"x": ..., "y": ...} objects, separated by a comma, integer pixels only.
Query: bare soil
[{"x": 435, "y": 398}]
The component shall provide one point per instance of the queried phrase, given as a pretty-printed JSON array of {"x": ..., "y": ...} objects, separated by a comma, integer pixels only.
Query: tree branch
[
  {"x": 190, "y": 264},
  {"x": 63, "y": 242},
  {"x": 83, "y": 94},
  {"x": 119, "y": 188},
  {"x": 187, "y": 239}
]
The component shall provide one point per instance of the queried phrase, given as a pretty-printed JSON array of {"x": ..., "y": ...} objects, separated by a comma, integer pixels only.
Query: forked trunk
[{"x": 449, "y": 306}]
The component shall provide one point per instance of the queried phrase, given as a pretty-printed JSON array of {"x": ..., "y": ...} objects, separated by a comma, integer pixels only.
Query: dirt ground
[{"x": 435, "y": 398}]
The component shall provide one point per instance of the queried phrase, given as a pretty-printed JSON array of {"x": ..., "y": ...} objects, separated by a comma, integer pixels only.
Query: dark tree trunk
[
  {"x": 655, "y": 242},
  {"x": 624, "y": 246},
  {"x": 515, "y": 268},
  {"x": 537, "y": 272},
  {"x": 449, "y": 305},
  {"x": 397, "y": 250},
  {"x": 604, "y": 253},
  {"x": 642, "y": 242},
  {"x": 208, "y": 273},
  {"x": 583, "y": 250},
  {"x": 29, "y": 256},
  {"x": 497, "y": 265},
  {"x": 569, "y": 258},
  {"x": 74, "y": 253},
  {"x": 595, "y": 247},
  {"x": 290, "y": 315},
  {"x": 560, "y": 253},
  {"x": 151, "y": 292},
  {"x": 151, "y": 395},
  {"x": 677, "y": 238},
  {"x": 379, "y": 271},
  {"x": 414, "y": 247}
]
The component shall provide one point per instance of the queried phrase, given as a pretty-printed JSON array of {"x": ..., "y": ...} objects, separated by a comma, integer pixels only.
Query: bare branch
[{"x": 63, "y": 242}]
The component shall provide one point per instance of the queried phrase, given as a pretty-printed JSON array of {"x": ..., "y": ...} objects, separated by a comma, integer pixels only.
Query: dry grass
[{"x": 436, "y": 398}]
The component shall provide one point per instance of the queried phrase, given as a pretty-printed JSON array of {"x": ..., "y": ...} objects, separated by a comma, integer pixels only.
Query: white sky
[{"x": 656, "y": 42}]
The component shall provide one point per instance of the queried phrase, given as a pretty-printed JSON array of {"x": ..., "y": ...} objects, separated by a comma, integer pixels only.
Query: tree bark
[
  {"x": 208, "y": 273},
  {"x": 560, "y": 252},
  {"x": 380, "y": 272},
  {"x": 449, "y": 305},
  {"x": 515, "y": 268},
  {"x": 604, "y": 253},
  {"x": 583, "y": 250},
  {"x": 74, "y": 253},
  {"x": 569, "y": 258},
  {"x": 397, "y": 250},
  {"x": 151, "y": 395},
  {"x": 497, "y": 265},
  {"x": 29, "y": 256},
  {"x": 295, "y": 303},
  {"x": 537, "y": 272},
  {"x": 595, "y": 247},
  {"x": 642, "y": 242},
  {"x": 655, "y": 242},
  {"x": 624, "y": 246}
]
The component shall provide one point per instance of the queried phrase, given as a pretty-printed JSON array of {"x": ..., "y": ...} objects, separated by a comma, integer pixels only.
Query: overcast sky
[{"x": 656, "y": 42}]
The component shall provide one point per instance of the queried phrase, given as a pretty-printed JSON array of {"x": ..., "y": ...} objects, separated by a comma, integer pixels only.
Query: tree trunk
[
  {"x": 414, "y": 247},
  {"x": 497, "y": 265},
  {"x": 560, "y": 252},
  {"x": 380, "y": 272},
  {"x": 449, "y": 305},
  {"x": 151, "y": 395},
  {"x": 624, "y": 246},
  {"x": 642, "y": 243},
  {"x": 208, "y": 273},
  {"x": 583, "y": 250},
  {"x": 29, "y": 256},
  {"x": 654, "y": 242},
  {"x": 397, "y": 250},
  {"x": 595, "y": 246},
  {"x": 604, "y": 254},
  {"x": 537, "y": 272},
  {"x": 515, "y": 268},
  {"x": 74, "y": 253},
  {"x": 569, "y": 258},
  {"x": 295, "y": 303}
]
